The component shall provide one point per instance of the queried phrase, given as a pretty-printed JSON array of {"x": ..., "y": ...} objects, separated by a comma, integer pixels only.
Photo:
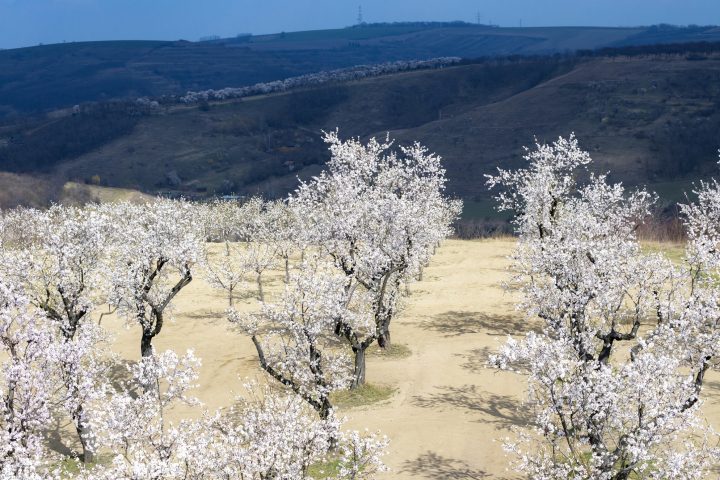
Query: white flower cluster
[
  {"x": 311, "y": 79},
  {"x": 616, "y": 373}
]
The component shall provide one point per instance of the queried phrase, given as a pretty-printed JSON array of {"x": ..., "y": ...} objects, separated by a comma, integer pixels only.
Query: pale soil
[
  {"x": 449, "y": 414},
  {"x": 73, "y": 191}
]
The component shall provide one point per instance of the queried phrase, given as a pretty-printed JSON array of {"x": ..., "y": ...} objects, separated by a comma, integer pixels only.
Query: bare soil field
[{"x": 448, "y": 414}]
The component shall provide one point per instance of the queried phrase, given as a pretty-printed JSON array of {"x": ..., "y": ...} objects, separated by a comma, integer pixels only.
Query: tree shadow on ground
[
  {"x": 56, "y": 433},
  {"x": 711, "y": 389},
  {"x": 454, "y": 323},
  {"x": 206, "y": 315},
  {"x": 477, "y": 360},
  {"x": 119, "y": 375},
  {"x": 502, "y": 410},
  {"x": 435, "y": 466}
]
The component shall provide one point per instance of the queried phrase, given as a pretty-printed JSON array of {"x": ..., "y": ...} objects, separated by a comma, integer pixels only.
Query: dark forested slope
[{"x": 41, "y": 78}]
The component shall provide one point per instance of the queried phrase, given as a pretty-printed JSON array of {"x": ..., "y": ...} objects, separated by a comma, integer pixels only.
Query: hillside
[
  {"x": 650, "y": 119},
  {"x": 38, "y": 79},
  {"x": 653, "y": 119}
]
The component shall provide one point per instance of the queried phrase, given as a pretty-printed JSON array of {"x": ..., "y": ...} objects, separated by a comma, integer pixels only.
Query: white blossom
[{"x": 616, "y": 373}]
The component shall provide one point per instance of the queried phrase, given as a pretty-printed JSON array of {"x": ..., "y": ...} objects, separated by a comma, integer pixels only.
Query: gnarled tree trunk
[
  {"x": 359, "y": 370},
  {"x": 85, "y": 433},
  {"x": 146, "y": 349}
]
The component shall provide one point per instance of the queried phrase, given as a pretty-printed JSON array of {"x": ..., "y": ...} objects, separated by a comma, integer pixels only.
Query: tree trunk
[
  {"x": 359, "y": 372},
  {"x": 420, "y": 275},
  {"x": 230, "y": 296},
  {"x": 324, "y": 413},
  {"x": 261, "y": 295},
  {"x": 85, "y": 433},
  {"x": 384, "y": 338},
  {"x": 80, "y": 417},
  {"x": 325, "y": 409},
  {"x": 146, "y": 349},
  {"x": 287, "y": 270}
]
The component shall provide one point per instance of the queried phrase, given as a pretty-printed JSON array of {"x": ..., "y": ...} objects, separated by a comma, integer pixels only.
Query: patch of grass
[
  {"x": 330, "y": 468},
  {"x": 71, "y": 466},
  {"x": 394, "y": 351},
  {"x": 365, "y": 395},
  {"x": 675, "y": 252}
]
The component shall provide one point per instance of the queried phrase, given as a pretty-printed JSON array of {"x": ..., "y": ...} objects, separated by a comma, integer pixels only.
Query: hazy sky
[{"x": 29, "y": 22}]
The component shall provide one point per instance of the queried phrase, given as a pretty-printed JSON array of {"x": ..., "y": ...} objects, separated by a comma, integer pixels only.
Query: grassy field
[{"x": 445, "y": 413}]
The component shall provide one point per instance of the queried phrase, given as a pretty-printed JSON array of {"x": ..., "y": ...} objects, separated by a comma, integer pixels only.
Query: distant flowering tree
[
  {"x": 378, "y": 214},
  {"x": 282, "y": 231},
  {"x": 260, "y": 250},
  {"x": 226, "y": 269},
  {"x": 615, "y": 373},
  {"x": 340, "y": 75}
]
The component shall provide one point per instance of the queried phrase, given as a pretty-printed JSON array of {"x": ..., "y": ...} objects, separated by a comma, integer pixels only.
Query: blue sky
[{"x": 29, "y": 22}]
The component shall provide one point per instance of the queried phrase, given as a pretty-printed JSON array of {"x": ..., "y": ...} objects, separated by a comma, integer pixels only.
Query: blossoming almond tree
[
  {"x": 135, "y": 429},
  {"x": 61, "y": 271},
  {"x": 277, "y": 435},
  {"x": 153, "y": 250},
  {"x": 269, "y": 436},
  {"x": 377, "y": 214},
  {"x": 28, "y": 379},
  {"x": 615, "y": 373},
  {"x": 294, "y": 335}
]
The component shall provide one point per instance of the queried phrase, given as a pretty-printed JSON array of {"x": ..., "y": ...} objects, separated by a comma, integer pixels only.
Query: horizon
[
  {"x": 207, "y": 38},
  {"x": 34, "y": 22}
]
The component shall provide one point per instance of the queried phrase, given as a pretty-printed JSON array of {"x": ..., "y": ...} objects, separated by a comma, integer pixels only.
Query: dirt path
[{"x": 450, "y": 410}]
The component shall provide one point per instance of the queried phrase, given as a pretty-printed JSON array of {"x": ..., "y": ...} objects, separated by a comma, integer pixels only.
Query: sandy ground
[{"x": 449, "y": 414}]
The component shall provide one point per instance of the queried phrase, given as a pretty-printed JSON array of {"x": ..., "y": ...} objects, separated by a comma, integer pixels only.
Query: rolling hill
[
  {"x": 42, "y": 78},
  {"x": 650, "y": 119}
]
